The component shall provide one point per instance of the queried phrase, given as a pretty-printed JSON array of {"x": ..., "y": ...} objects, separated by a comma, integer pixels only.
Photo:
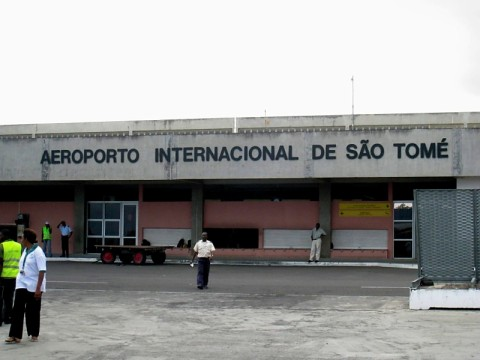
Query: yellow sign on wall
[{"x": 364, "y": 209}]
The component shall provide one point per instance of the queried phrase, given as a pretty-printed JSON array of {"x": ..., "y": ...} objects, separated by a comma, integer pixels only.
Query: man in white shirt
[
  {"x": 30, "y": 285},
  {"x": 316, "y": 237},
  {"x": 66, "y": 233},
  {"x": 204, "y": 250}
]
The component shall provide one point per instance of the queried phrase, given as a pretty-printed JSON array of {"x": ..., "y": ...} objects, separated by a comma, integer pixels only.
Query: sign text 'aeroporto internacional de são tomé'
[{"x": 364, "y": 150}]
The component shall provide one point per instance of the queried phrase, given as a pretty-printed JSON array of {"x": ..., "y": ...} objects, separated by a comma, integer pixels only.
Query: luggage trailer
[{"x": 136, "y": 254}]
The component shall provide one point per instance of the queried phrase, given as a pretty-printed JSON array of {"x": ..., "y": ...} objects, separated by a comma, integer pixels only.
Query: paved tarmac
[{"x": 86, "y": 320}]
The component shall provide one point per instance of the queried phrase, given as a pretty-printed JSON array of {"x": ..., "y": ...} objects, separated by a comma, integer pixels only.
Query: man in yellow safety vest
[
  {"x": 47, "y": 239},
  {"x": 10, "y": 253}
]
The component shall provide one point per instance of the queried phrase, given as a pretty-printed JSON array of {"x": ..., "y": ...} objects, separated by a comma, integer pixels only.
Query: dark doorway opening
[{"x": 233, "y": 238}]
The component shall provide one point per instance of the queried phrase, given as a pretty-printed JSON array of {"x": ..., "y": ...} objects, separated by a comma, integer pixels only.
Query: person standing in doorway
[
  {"x": 316, "y": 237},
  {"x": 10, "y": 253},
  {"x": 66, "y": 234},
  {"x": 47, "y": 239},
  {"x": 30, "y": 286},
  {"x": 203, "y": 249}
]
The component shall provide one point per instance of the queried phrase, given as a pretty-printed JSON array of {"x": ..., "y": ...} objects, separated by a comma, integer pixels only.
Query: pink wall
[
  {"x": 39, "y": 212},
  {"x": 175, "y": 215},
  {"x": 295, "y": 214},
  {"x": 362, "y": 223}
]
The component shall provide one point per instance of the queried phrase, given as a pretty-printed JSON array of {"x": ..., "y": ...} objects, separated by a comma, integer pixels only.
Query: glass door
[
  {"x": 403, "y": 241},
  {"x": 129, "y": 236},
  {"x": 111, "y": 223}
]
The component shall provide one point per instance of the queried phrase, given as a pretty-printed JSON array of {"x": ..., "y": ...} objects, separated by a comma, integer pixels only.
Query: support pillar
[
  {"x": 325, "y": 217},
  {"x": 197, "y": 212},
  {"x": 79, "y": 244}
]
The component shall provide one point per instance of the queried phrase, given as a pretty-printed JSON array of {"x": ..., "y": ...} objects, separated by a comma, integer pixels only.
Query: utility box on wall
[
  {"x": 23, "y": 219},
  {"x": 23, "y": 222}
]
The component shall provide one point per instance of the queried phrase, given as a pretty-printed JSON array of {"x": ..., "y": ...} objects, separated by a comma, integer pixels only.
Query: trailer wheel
[
  {"x": 139, "y": 258},
  {"x": 159, "y": 257},
  {"x": 108, "y": 257},
  {"x": 126, "y": 258}
]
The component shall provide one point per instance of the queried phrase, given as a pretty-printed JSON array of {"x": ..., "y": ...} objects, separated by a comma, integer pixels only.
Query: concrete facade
[
  {"x": 228, "y": 156},
  {"x": 319, "y": 152}
]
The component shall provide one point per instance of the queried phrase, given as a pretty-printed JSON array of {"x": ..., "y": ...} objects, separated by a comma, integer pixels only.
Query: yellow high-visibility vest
[
  {"x": 47, "y": 235},
  {"x": 12, "y": 251}
]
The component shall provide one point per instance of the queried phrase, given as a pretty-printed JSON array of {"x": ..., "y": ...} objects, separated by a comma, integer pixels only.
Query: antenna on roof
[{"x": 353, "y": 102}]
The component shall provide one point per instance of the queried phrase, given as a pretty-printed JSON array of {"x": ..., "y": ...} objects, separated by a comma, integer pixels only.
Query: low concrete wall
[
  {"x": 246, "y": 254},
  {"x": 425, "y": 298},
  {"x": 358, "y": 254},
  {"x": 279, "y": 254}
]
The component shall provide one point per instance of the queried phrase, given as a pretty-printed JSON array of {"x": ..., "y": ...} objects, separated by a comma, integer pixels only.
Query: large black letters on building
[
  {"x": 224, "y": 153},
  {"x": 191, "y": 154},
  {"x": 99, "y": 156}
]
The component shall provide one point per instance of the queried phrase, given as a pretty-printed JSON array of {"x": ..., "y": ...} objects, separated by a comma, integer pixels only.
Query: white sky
[{"x": 99, "y": 60}]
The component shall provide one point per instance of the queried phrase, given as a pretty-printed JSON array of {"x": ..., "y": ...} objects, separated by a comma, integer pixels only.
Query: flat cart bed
[{"x": 136, "y": 254}]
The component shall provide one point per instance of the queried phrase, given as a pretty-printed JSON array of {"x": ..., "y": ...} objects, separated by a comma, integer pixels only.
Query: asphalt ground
[{"x": 97, "y": 311}]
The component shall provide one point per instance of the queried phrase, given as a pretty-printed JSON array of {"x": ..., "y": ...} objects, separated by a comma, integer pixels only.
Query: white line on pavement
[{"x": 77, "y": 282}]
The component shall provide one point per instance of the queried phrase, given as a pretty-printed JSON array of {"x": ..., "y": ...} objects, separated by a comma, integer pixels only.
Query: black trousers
[
  {"x": 65, "y": 246},
  {"x": 27, "y": 306},
  {"x": 7, "y": 290},
  {"x": 203, "y": 271}
]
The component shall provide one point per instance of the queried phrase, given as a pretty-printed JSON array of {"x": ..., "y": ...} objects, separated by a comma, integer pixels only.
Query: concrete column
[
  {"x": 197, "y": 212},
  {"x": 325, "y": 218},
  {"x": 390, "y": 229},
  {"x": 140, "y": 225},
  {"x": 79, "y": 218}
]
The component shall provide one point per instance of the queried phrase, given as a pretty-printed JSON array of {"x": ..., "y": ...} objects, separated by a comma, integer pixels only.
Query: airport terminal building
[{"x": 257, "y": 185}]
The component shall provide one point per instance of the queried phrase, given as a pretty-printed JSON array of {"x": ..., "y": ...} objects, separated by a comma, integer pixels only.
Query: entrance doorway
[
  {"x": 403, "y": 235},
  {"x": 111, "y": 223}
]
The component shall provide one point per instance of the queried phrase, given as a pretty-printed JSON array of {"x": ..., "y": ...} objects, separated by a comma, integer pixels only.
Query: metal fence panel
[
  {"x": 446, "y": 228},
  {"x": 477, "y": 233}
]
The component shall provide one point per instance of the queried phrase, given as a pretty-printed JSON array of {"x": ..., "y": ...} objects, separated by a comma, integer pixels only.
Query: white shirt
[
  {"x": 317, "y": 234},
  {"x": 204, "y": 248},
  {"x": 30, "y": 265}
]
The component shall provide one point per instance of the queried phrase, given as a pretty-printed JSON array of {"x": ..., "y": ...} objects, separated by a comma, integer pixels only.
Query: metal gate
[{"x": 447, "y": 228}]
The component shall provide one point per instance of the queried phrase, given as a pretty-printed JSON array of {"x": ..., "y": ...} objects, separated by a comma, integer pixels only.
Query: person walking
[
  {"x": 10, "y": 252},
  {"x": 203, "y": 249},
  {"x": 30, "y": 285},
  {"x": 66, "y": 234},
  {"x": 316, "y": 237},
  {"x": 47, "y": 239}
]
